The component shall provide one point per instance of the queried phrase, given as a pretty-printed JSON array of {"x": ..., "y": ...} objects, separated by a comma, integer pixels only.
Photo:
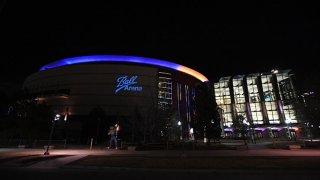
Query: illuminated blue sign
[{"x": 127, "y": 84}]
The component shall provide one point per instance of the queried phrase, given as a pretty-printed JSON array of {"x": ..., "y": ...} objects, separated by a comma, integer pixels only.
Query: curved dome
[{"x": 126, "y": 59}]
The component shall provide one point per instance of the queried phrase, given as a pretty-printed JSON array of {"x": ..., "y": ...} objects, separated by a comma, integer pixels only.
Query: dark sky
[{"x": 238, "y": 38}]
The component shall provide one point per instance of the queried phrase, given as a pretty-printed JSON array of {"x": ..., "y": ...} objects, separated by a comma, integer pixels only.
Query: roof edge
[{"x": 127, "y": 59}]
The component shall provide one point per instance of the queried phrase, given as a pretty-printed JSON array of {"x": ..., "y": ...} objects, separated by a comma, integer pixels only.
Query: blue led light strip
[{"x": 128, "y": 59}]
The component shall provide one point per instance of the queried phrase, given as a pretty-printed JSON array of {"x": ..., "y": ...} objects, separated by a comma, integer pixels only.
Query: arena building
[{"x": 92, "y": 92}]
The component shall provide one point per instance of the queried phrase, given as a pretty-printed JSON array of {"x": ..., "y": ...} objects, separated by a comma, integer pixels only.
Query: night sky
[{"x": 238, "y": 38}]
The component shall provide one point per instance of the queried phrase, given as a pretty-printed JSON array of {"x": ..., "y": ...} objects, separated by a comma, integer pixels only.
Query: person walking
[{"x": 113, "y": 137}]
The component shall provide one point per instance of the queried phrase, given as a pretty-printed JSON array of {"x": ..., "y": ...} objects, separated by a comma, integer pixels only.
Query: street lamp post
[
  {"x": 180, "y": 129},
  {"x": 309, "y": 130},
  {"x": 244, "y": 131},
  {"x": 251, "y": 131},
  {"x": 294, "y": 134},
  {"x": 57, "y": 117},
  {"x": 288, "y": 122}
]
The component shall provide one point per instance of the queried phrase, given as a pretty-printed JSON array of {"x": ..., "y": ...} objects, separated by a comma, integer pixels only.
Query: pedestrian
[{"x": 113, "y": 137}]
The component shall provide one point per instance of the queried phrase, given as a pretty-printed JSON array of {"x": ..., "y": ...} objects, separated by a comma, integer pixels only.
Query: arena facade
[{"x": 92, "y": 92}]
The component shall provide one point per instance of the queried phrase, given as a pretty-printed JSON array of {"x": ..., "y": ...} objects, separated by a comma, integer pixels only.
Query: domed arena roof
[{"x": 125, "y": 59}]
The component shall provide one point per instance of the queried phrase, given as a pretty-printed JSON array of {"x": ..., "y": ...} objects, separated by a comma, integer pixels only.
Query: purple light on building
[
  {"x": 276, "y": 128},
  {"x": 228, "y": 129},
  {"x": 259, "y": 129}
]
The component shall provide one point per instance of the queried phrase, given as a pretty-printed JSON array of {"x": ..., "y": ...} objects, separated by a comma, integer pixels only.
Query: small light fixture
[
  {"x": 57, "y": 117},
  {"x": 288, "y": 121}
]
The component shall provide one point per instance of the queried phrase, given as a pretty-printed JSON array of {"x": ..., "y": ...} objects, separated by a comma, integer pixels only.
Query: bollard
[
  {"x": 91, "y": 143},
  {"x": 273, "y": 144}
]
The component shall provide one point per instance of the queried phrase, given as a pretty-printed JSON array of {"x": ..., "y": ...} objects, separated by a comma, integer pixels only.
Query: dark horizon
[{"x": 238, "y": 38}]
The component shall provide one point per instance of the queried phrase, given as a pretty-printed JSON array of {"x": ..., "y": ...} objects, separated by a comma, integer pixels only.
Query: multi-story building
[
  {"x": 267, "y": 102},
  {"x": 310, "y": 105}
]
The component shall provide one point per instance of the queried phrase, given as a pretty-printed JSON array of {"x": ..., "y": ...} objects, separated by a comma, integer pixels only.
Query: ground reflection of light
[{"x": 317, "y": 140}]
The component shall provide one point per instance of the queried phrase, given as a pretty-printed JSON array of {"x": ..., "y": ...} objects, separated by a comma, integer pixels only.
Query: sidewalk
[{"x": 257, "y": 155}]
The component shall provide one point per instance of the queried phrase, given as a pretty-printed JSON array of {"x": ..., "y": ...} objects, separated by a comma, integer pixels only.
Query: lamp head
[
  {"x": 288, "y": 121},
  {"x": 57, "y": 117}
]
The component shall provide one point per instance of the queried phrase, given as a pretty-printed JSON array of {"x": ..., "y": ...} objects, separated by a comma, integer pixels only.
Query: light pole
[
  {"x": 65, "y": 127},
  {"x": 251, "y": 131},
  {"x": 288, "y": 122},
  {"x": 180, "y": 129},
  {"x": 309, "y": 130},
  {"x": 56, "y": 118},
  {"x": 244, "y": 130},
  {"x": 191, "y": 134}
]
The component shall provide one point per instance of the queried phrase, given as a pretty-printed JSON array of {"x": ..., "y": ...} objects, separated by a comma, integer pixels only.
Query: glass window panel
[
  {"x": 226, "y": 92},
  {"x": 254, "y": 81},
  {"x": 253, "y": 107},
  {"x": 227, "y": 101},
  {"x": 254, "y": 98},
  {"x": 273, "y": 115},
  {"x": 285, "y": 108},
  {"x": 218, "y": 93},
  {"x": 275, "y": 122},
  {"x": 227, "y": 108},
  {"x": 265, "y": 87},
  {"x": 250, "y": 89},
  {"x": 268, "y": 106},
  {"x": 241, "y": 107},
  {"x": 235, "y": 83},
  {"x": 263, "y": 79},
  {"x": 274, "y": 105}
]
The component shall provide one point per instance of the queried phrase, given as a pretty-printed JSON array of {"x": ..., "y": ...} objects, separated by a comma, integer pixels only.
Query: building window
[
  {"x": 223, "y": 100},
  {"x": 165, "y": 90}
]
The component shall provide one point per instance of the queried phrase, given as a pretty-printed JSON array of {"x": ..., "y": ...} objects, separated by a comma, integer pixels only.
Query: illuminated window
[
  {"x": 271, "y": 106},
  {"x": 268, "y": 96},
  {"x": 238, "y": 94},
  {"x": 227, "y": 119},
  {"x": 223, "y": 99},
  {"x": 218, "y": 92},
  {"x": 226, "y": 108},
  {"x": 255, "y": 106},
  {"x": 227, "y": 101},
  {"x": 273, "y": 117},
  {"x": 257, "y": 117},
  {"x": 290, "y": 113},
  {"x": 165, "y": 90}
]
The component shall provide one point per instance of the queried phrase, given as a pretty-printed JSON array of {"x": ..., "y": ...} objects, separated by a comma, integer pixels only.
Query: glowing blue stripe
[{"x": 115, "y": 58}]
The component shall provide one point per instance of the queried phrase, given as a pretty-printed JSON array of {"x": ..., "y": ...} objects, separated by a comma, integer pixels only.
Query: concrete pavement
[
  {"x": 34, "y": 158},
  {"x": 100, "y": 163}
]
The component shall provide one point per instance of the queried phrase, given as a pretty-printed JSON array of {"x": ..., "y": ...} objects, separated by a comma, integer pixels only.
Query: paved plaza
[{"x": 259, "y": 159}]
